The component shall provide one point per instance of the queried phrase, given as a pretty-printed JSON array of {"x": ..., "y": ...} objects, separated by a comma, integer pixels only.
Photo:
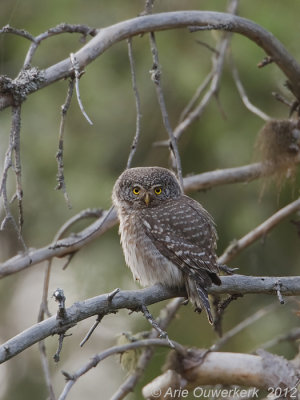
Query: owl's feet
[
  {"x": 162, "y": 334},
  {"x": 227, "y": 270}
]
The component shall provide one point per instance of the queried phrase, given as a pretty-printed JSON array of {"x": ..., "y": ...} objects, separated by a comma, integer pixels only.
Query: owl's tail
[{"x": 198, "y": 296}]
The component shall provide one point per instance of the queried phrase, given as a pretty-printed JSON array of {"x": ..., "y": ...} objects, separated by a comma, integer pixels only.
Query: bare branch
[
  {"x": 291, "y": 336},
  {"x": 72, "y": 378},
  {"x": 216, "y": 74},
  {"x": 61, "y": 184},
  {"x": 262, "y": 371},
  {"x": 259, "y": 231},
  {"x": 19, "y": 32},
  {"x": 109, "y": 219},
  {"x": 13, "y": 149},
  {"x": 133, "y": 300},
  {"x": 61, "y": 28},
  {"x": 78, "y": 73},
  {"x": 106, "y": 37},
  {"x": 61, "y": 247},
  {"x": 156, "y": 78},
  {"x": 243, "y": 93},
  {"x": 242, "y": 325},
  {"x": 137, "y": 105},
  {"x": 196, "y": 96},
  {"x": 166, "y": 316}
]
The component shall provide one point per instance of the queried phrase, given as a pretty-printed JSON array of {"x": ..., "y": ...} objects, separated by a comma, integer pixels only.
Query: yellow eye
[
  {"x": 158, "y": 190},
  {"x": 136, "y": 190}
]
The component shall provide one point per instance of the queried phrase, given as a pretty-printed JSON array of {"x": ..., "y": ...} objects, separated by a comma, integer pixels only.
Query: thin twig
[
  {"x": 72, "y": 378},
  {"x": 56, "y": 356},
  {"x": 46, "y": 369},
  {"x": 61, "y": 184},
  {"x": 196, "y": 96},
  {"x": 291, "y": 336},
  {"x": 149, "y": 4},
  {"x": 107, "y": 37},
  {"x": 166, "y": 316},
  {"x": 13, "y": 149},
  {"x": 156, "y": 78},
  {"x": 20, "y": 32},
  {"x": 162, "y": 334},
  {"x": 220, "y": 307},
  {"x": 131, "y": 300},
  {"x": 261, "y": 230},
  {"x": 61, "y": 28},
  {"x": 242, "y": 325},
  {"x": 91, "y": 330},
  {"x": 242, "y": 92},
  {"x": 282, "y": 99},
  {"x": 137, "y": 105},
  {"x": 88, "y": 213},
  {"x": 78, "y": 74},
  {"x": 215, "y": 78}
]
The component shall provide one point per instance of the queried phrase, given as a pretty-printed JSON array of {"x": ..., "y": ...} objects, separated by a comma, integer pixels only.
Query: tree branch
[
  {"x": 72, "y": 378},
  {"x": 109, "y": 219},
  {"x": 108, "y": 36},
  {"x": 290, "y": 286},
  {"x": 262, "y": 371},
  {"x": 261, "y": 230}
]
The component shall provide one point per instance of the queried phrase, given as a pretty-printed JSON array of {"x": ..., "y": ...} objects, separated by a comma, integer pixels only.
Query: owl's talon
[
  {"x": 227, "y": 270},
  {"x": 185, "y": 302}
]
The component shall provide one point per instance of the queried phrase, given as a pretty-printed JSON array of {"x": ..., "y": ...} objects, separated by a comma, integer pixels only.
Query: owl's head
[{"x": 145, "y": 187}]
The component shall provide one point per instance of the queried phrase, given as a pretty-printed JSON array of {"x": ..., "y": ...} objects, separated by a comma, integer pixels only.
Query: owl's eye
[
  {"x": 136, "y": 190},
  {"x": 158, "y": 190}
]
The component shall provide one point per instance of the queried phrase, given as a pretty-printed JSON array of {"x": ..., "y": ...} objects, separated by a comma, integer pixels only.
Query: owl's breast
[{"x": 147, "y": 264}]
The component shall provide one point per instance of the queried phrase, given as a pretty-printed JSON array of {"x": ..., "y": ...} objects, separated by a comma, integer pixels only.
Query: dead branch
[
  {"x": 72, "y": 378},
  {"x": 262, "y": 371},
  {"x": 132, "y": 300},
  {"x": 106, "y": 37},
  {"x": 242, "y": 92},
  {"x": 165, "y": 317},
  {"x": 59, "y": 29},
  {"x": 259, "y": 231},
  {"x": 156, "y": 78},
  {"x": 137, "y": 105},
  {"x": 61, "y": 184},
  {"x": 109, "y": 219}
]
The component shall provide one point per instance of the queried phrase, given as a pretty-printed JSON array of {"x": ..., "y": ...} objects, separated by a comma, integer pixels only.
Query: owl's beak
[{"x": 147, "y": 199}]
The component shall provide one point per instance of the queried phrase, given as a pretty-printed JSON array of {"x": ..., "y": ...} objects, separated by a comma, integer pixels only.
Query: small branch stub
[{"x": 59, "y": 296}]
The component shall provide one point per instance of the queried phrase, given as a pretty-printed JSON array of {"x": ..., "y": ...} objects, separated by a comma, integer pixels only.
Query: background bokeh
[{"x": 96, "y": 155}]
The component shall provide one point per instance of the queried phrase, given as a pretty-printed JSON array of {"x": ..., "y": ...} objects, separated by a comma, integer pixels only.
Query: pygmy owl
[{"x": 167, "y": 237}]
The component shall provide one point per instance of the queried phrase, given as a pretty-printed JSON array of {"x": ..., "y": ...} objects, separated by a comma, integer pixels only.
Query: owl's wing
[{"x": 184, "y": 232}]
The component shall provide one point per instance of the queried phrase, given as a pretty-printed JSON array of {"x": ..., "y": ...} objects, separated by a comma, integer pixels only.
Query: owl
[{"x": 166, "y": 236}]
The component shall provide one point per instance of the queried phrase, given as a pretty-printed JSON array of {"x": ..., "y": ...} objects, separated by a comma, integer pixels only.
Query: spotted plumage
[{"x": 167, "y": 237}]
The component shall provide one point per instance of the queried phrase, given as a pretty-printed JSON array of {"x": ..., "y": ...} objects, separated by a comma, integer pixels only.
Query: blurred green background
[{"x": 96, "y": 155}]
